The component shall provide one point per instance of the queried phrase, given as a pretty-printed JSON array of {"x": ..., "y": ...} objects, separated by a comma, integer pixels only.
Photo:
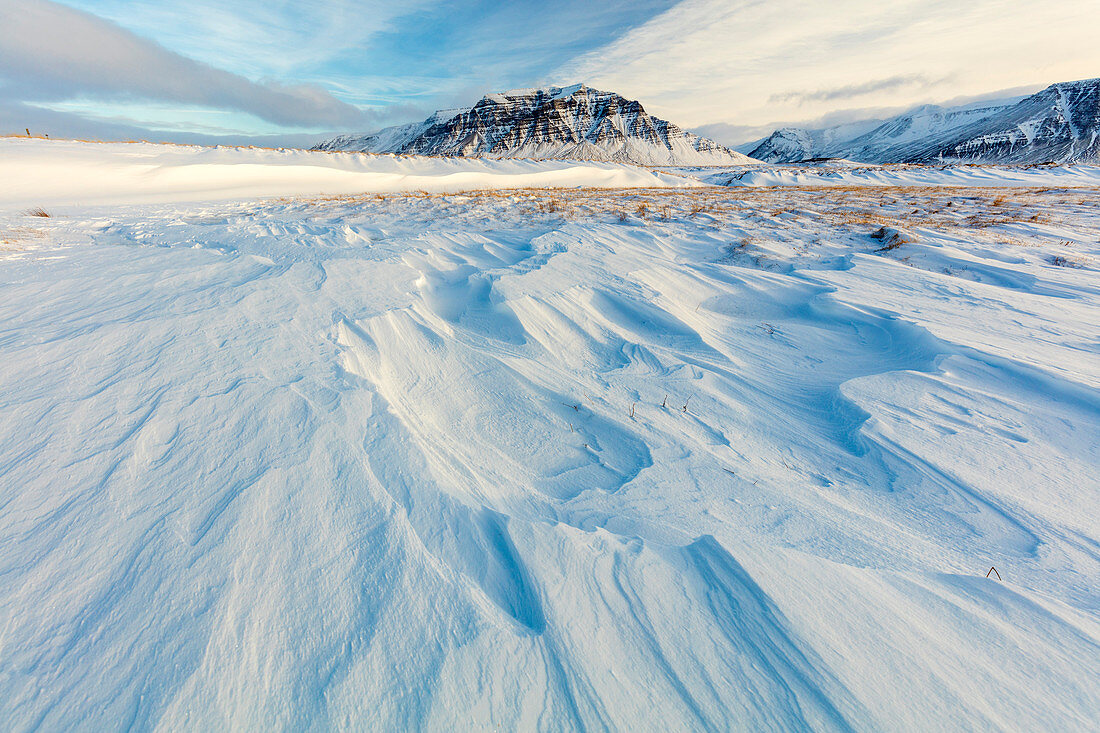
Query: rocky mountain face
[
  {"x": 1060, "y": 123},
  {"x": 574, "y": 122}
]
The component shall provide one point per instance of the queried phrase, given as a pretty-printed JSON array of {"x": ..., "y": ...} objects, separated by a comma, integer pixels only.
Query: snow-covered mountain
[
  {"x": 574, "y": 122},
  {"x": 1059, "y": 124},
  {"x": 787, "y": 145},
  {"x": 893, "y": 140}
]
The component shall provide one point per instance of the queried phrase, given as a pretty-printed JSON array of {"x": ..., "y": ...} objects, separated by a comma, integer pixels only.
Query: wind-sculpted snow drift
[{"x": 660, "y": 459}]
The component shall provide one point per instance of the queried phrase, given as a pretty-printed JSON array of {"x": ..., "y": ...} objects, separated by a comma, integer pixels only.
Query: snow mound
[{"x": 55, "y": 173}]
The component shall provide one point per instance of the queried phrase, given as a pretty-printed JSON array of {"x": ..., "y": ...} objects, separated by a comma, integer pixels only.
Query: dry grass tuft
[
  {"x": 11, "y": 240},
  {"x": 892, "y": 238},
  {"x": 38, "y": 211},
  {"x": 1060, "y": 261},
  {"x": 981, "y": 214}
]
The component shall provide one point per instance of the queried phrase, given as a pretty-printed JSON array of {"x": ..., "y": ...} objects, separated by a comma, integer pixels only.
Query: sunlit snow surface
[{"x": 642, "y": 460}]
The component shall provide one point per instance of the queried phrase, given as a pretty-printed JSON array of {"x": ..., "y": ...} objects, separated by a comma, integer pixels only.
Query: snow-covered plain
[{"x": 634, "y": 459}]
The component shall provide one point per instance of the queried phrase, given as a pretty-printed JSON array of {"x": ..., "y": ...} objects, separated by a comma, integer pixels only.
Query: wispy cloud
[
  {"x": 260, "y": 38},
  {"x": 761, "y": 62},
  {"x": 297, "y": 63},
  {"x": 51, "y": 52},
  {"x": 851, "y": 91}
]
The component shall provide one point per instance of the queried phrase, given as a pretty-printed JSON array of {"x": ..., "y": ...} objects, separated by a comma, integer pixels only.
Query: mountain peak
[{"x": 552, "y": 92}]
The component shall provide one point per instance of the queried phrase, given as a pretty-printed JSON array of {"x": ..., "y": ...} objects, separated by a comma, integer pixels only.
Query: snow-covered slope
[
  {"x": 389, "y": 139},
  {"x": 63, "y": 173},
  {"x": 903, "y": 137},
  {"x": 649, "y": 459},
  {"x": 574, "y": 122}
]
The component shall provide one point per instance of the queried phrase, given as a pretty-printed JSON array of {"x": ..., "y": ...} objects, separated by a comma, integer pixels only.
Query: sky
[{"x": 292, "y": 72}]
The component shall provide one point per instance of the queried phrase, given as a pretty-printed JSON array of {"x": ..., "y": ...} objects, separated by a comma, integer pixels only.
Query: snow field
[{"x": 647, "y": 460}]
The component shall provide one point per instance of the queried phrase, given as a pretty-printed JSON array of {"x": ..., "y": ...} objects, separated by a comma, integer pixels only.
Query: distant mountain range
[
  {"x": 1059, "y": 124},
  {"x": 574, "y": 122}
]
